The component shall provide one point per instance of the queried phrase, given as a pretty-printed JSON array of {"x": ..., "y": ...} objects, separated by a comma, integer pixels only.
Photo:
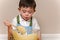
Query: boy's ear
[
  {"x": 18, "y": 8},
  {"x": 34, "y": 10}
]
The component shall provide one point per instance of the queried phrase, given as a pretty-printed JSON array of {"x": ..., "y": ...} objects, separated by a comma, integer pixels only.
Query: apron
[{"x": 24, "y": 32}]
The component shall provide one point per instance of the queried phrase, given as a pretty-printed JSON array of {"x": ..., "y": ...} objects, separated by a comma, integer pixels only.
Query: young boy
[{"x": 25, "y": 19}]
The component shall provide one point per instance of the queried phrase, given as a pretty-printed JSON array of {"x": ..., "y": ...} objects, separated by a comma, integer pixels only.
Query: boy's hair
[{"x": 27, "y": 3}]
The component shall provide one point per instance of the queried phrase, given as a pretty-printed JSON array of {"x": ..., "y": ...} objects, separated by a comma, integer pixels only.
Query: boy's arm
[
  {"x": 39, "y": 35},
  {"x": 10, "y": 33}
]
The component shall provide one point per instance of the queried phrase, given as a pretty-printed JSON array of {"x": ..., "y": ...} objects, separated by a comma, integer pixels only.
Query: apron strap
[
  {"x": 30, "y": 22},
  {"x": 18, "y": 21}
]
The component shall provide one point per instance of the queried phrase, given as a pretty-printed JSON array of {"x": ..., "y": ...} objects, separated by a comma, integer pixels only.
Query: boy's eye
[
  {"x": 24, "y": 11},
  {"x": 30, "y": 12}
]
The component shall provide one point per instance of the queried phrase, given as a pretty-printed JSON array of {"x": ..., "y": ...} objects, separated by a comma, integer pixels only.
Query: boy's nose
[{"x": 26, "y": 13}]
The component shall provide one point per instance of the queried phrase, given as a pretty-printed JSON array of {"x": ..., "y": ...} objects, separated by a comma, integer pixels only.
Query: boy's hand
[{"x": 7, "y": 23}]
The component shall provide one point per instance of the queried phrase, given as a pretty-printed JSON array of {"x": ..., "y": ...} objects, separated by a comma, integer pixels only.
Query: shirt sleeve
[
  {"x": 14, "y": 22},
  {"x": 35, "y": 25}
]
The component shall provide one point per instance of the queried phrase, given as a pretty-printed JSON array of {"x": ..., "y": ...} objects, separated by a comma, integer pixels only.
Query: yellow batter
[{"x": 18, "y": 36}]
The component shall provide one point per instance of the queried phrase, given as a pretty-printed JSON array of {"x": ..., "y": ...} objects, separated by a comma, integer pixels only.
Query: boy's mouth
[{"x": 27, "y": 18}]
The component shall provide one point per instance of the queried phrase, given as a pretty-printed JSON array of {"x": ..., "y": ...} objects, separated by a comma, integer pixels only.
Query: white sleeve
[
  {"x": 35, "y": 25},
  {"x": 14, "y": 21}
]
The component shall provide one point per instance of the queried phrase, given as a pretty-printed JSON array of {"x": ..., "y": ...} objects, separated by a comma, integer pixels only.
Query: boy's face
[{"x": 26, "y": 12}]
